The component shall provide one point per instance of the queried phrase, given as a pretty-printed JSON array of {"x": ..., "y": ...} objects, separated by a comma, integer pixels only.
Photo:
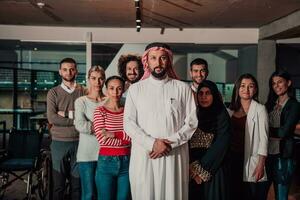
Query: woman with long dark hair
[
  {"x": 284, "y": 111},
  {"x": 112, "y": 178},
  {"x": 208, "y": 146},
  {"x": 249, "y": 144}
]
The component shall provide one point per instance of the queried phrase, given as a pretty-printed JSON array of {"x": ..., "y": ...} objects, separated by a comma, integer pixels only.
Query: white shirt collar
[
  {"x": 67, "y": 89},
  {"x": 193, "y": 88},
  {"x": 157, "y": 81}
]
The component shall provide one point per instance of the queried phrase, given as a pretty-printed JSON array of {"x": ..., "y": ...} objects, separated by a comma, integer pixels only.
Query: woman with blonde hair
[{"x": 88, "y": 148}]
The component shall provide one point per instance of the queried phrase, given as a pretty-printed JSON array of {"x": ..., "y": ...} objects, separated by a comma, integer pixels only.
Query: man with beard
[
  {"x": 160, "y": 117},
  {"x": 60, "y": 113},
  {"x": 130, "y": 68},
  {"x": 198, "y": 72}
]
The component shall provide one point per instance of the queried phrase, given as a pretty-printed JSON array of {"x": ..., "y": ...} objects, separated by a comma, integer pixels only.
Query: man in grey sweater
[{"x": 60, "y": 113}]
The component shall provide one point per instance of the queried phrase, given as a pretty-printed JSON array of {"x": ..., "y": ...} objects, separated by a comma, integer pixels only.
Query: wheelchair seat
[{"x": 17, "y": 164}]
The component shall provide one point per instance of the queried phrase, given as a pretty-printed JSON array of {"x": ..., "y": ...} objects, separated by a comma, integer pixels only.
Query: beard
[
  {"x": 197, "y": 80},
  {"x": 69, "y": 79},
  {"x": 159, "y": 75},
  {"x": 132, "y": 80}
]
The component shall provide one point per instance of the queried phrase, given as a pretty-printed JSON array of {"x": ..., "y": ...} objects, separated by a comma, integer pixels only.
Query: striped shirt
[{"x": 113, "y": 123}]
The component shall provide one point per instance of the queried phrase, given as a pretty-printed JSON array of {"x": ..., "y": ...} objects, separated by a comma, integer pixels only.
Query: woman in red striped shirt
[{"x": 112, "y": 178}]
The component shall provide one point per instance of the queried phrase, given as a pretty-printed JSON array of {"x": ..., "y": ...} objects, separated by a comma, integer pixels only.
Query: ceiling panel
[{"x": 155, "y": 13}]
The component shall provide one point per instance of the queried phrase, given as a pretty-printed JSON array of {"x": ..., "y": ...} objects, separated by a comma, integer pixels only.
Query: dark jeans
[
  {"x": 257, "y": 191},
  {"x": 112, "y": 178},
  {"x": 280, "y": 172},
  {"x": 87, "y": 171},
  {"x": 65, "y": 167}
]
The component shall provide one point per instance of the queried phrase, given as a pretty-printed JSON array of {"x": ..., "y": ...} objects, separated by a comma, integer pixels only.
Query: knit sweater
[
  {"x": 111, "y": 122},
  {"x": 88, "y": 147},
  {"x": 58, "y": 99}
]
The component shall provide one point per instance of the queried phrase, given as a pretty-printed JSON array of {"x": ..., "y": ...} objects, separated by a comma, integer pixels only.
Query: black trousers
[
  {"x": 240, "y": 189},
  {"x": 63, "y": 190},
  {"x": 257, "y": 191}
]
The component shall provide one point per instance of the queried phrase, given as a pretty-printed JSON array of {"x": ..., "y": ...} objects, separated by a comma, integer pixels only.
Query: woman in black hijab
[{"x": 208, "y": 146}]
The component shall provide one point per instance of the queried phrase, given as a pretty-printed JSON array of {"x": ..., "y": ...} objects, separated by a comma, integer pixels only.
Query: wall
[
  {"x": 129, "y": 35},
  {"x": 216, "y": 66},
  {"x": 247, "y": 60},
  {"x": 288, "y": 58}
]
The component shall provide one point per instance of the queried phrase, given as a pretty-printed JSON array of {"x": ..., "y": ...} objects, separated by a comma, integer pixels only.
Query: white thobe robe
[{"x": 159, "y": 109}]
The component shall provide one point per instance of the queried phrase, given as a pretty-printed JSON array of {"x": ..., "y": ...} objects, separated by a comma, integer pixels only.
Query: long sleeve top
[
  {"x": 88, "y": 147},
  {"x": 111, "y": 122},
  {"x": 58, "y": 99},
  {"x": 288, "y": 120},
  {"x": 207, "y": 150}
]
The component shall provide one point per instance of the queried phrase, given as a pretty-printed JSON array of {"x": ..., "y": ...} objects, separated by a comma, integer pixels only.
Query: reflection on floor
[{"x": 18, "y": 190}]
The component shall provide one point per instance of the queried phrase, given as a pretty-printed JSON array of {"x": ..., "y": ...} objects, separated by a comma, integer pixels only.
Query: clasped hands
[
  {"x": 161, "y": 147},
  {"x": 195, "y": 176}
]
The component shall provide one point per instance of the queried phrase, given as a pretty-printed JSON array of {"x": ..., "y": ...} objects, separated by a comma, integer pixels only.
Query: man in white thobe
[{"x": 160, "y": 117}]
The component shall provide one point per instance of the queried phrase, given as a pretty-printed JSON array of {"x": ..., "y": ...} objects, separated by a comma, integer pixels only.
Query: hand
[
  {"x": 259, "y": 170},
  {"x": 198, "y": 180},
  {"x": 192, "y": 173},
  {"x": 107, "y": 134},
  {"x": 61, "y": 113},
  {"x": 161, "y": 147}
]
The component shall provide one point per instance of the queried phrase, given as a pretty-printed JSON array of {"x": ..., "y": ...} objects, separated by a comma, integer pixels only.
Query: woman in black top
[
  {"x": 284, "y": 111},
  {"x": 209, "y": 145}
]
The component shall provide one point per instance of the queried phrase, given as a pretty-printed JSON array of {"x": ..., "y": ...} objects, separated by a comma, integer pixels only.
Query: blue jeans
[
  {"x": 112, "y": 178},
  {"x": 87, "y": 171},
  {"x": 280, "y": 172}
]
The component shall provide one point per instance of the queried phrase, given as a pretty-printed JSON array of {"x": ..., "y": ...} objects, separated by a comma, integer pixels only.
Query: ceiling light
[
  {"x": 40, "y": 4},
  {"x": 138, "y": 18}
]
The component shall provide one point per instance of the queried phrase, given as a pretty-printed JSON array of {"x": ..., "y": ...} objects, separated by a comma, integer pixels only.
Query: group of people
[{"x": 152, "y": 136}]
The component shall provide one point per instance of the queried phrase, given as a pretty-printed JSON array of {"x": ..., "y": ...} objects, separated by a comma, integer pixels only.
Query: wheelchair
[{"x": 24, "y": 157}]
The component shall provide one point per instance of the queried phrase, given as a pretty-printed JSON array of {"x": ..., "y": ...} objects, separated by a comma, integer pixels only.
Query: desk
[{"x": 23, "y": 116}]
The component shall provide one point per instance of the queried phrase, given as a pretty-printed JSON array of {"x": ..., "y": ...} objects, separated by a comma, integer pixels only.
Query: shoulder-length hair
[
  {"x": 272, "y": 96},
  {"x": 235, "y": 103}
]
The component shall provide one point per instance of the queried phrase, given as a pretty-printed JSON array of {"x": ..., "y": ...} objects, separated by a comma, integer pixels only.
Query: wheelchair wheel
[
  {"x": 45, "y": 178},
  {"x": 3, "y": 183}
]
